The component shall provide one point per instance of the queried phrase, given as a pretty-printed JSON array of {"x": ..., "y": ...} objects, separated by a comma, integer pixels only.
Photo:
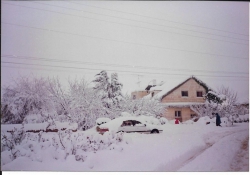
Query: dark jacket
[{"x": 218, "y": 121}]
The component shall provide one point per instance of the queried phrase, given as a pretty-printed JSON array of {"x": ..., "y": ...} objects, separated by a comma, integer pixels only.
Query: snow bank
[
  {"x": 219, "y": 156},
  {"x": 40, "y": 126},
  {"x": 205, "y": 120},
  {"x": 36, "y": 127},
  {"x": 63, "y": 126},
  {"x": 10, "y": 127},
  {"x": 179, "y": 148},
  {"x": 149, "y": 119}
]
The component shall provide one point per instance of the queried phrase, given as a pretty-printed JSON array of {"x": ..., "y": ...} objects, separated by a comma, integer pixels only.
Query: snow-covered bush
[
  {"x": 11, "y": 141},
  {"x": 163, "y": 121},
  {"x": 33, "y": 118},
  {"x": 142, "y": 107}
]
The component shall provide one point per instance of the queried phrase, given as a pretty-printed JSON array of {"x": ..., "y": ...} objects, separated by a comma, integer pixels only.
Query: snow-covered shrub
[
  {"x": 33, "y": 118},
  {"x": 11, "y": 141},
  {"x": 163, "y": 121},
  {"x": 148, "y": 107}
]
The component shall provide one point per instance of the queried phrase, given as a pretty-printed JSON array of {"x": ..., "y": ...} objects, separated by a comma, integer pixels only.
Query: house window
[
  {"x": 199, "y": 94},
  {"x": 184, "y": 93},
  {"x": 134, "y": 97},
  {"x": 177, "y": 114}
]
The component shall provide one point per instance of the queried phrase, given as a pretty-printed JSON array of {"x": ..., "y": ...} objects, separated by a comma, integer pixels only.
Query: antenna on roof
[
  {"x": 138, "y": 81},
  {"x": 161, "y": 83}
]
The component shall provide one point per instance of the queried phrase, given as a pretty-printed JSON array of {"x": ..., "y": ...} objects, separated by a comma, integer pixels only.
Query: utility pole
[{"x": 138, "y": 83}]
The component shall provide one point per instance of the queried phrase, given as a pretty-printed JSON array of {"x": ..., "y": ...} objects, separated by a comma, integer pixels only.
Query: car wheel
[{"x": 154, "y": 131}]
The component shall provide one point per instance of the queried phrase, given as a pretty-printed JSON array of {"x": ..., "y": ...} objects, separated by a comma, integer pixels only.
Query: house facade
[{"x": 178, "y": 99}]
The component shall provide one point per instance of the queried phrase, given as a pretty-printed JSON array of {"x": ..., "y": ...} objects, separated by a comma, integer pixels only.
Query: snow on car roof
[{"x": 114, "y": 124}]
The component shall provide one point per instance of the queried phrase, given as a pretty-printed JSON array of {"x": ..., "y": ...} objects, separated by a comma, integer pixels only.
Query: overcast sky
[{"x": 166, "y": 41}]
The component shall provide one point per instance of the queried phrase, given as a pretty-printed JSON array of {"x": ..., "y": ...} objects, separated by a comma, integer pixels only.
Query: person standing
[
  {"x": 218, "y": 121},
  {"x": 177, "y": 121}
]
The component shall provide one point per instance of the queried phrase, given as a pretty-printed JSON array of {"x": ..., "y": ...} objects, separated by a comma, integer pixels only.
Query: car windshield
[{"x": 130, "y": 123}]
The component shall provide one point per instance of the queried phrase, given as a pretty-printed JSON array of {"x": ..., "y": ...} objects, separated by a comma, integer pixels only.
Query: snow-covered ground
[{"x": 183, "y": 147}]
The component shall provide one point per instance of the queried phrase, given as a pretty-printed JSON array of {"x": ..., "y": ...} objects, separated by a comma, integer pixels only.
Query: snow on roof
[
  {"x": 157, "y": 88},
  {"x": 164, "y": 89},
  {"x": 167, "y": 88}
]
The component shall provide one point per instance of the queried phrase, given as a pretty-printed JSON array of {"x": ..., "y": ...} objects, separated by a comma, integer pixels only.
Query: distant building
[{"x": 177, "y": 98}]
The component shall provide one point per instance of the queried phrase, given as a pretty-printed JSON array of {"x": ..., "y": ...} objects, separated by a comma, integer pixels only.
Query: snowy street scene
[
  {"x": 124, "y": 86},
  {"x": 185, "y": 147}
]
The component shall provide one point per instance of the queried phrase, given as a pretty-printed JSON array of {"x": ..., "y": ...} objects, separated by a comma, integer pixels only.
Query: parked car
[{"x": 129, "y": 124}]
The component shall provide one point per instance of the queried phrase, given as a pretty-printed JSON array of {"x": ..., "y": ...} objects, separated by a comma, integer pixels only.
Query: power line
[
  {"x": 128, "y": 24},
  {"x": 9, "y": 62},
  {"x": 144, "y": 22},
  {"x": 126, "y": 42},
  {"x": 115, "y": 65},
  {"x": 149, "y": 75},
  {"x": 158, "y": 18}
]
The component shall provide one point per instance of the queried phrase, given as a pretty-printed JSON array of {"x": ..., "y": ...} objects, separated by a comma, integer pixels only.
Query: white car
[{"x": 128, "y": 124}]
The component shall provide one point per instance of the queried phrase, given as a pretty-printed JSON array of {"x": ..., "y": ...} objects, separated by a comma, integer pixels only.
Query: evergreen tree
[
  {"x": 102, "y": 87},
  {"x": 116, "y": 88},
  {"x": 110, "y": 92}
]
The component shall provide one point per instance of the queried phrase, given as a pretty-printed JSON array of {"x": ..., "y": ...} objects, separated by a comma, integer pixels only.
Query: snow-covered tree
[
  {"x": 228, "y": 107},
  {"x": 103, "y": 88},
  {"x": 143, "y": 107},
  {"x": 58, "y": 96},
  {"x": 224, "y": 103},
  {"x": 26, "y": 96},
  {"x": 85, "y": 105},
  {"x": 109, "y": 92},
  {"x": 116, "y": 87}
]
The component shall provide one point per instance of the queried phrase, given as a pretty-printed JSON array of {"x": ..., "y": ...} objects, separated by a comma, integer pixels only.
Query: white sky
[{"x": 87, "y": 32}]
